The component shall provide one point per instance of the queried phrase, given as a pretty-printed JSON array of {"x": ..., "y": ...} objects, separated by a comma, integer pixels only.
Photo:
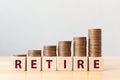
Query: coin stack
[
  {"x": 79, "y": 46},
  {"x": 64, "y": 48},
  {"x": 94, "y": 45},
  {"x": 49, "y": 50},
  {"x": 34, "y": 53},
  {"x": 20, "y": 55}
]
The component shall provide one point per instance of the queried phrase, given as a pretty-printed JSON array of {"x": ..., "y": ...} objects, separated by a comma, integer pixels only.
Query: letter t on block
[
  {"x": 18, "y": 63},
  {"x": 95, "y": 63},
  {"x": 49, "y": 63}
]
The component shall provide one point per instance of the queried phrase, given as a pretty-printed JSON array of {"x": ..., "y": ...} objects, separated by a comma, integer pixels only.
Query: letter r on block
[
  {"x": 18, "y": 63},
  {"x": 80, "y": 63}
]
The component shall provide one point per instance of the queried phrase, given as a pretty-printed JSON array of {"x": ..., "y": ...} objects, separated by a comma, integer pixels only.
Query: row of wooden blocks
[{"x": 56, "y": 63}]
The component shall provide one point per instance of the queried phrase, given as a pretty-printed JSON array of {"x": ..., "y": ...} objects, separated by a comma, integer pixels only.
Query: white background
[{"x": 30, "y": 24}]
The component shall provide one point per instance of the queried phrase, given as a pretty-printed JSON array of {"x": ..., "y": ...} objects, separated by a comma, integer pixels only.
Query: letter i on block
[
  {"x": 34, "y": 60},
  {"x": 18, "y": 62},
  {"x": 95, "y": 63},
  {"x": 64, "y": 61}
]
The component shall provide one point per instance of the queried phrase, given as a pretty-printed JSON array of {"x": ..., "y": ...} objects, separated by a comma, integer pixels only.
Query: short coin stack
[
  {"x": 34, "y": 53},
  {"x": 64, "y": 48},
  {"x": 49, "y": 50},
  {"x": 20, "y": 55},
  {"x": 94, "y": 45},
  {"x": 79, "y": 46}
]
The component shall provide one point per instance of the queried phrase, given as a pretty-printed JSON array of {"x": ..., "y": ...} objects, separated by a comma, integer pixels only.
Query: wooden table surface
[{"x": 111, "y": 72}]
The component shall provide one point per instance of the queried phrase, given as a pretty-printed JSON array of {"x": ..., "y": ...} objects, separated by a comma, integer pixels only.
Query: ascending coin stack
[
  {"x": 94, "y": 40},
  {"x": 79, "y": 46},
  {"x": 49, "y": 50},
  {"x": 64, "y": 48},
  {"x": 64, "y": 54}
]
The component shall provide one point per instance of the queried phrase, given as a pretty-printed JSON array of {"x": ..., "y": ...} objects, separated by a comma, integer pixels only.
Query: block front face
[
  {"x": 48, "y": 63},
  {"x": 33, "y": 63},
  {"x": 18, "y": 63},
  {"x": 80, "y": 63},
  {"x": 95, "y": 63},
  {"x": 64, "y": 63}
]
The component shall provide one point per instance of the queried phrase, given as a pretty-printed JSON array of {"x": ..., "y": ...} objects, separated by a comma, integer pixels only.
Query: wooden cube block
[
  {"x": 80, "y": 63},
  {"x": 95, "y": 63},
  {"x": 64, "y": 63},
  {"x": 49, "y": 63},
  {"x": 33, "y": 63},
  {"x": 18, "y": 63}
]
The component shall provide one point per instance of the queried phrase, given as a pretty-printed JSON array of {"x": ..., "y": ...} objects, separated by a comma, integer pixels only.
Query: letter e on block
[
  {"x": 18, "y": 63},
  {"x": 33, "y": 63},
  {"x": 95, "y": 63}
]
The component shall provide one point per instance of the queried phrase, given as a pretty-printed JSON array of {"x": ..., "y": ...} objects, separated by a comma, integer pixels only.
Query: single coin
[{"x": 20, "y": 55}]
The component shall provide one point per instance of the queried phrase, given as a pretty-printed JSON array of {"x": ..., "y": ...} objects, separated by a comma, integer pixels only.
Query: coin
[
  {"x": 20, "y": 55},
  {"x": 49, "y": 50},
  {"x": 79, "y": 46},
  {"x": 64, "y": 48},
  {"x": 94, "y": 42}
]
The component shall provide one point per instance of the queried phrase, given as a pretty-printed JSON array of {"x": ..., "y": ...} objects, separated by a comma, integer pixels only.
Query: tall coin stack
[
  {"x": 94, "y": 46},
  {"x": 49, "y": 50},
  {"x": 64, "y": 48},
  {"x": 79, "y": 46}
]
